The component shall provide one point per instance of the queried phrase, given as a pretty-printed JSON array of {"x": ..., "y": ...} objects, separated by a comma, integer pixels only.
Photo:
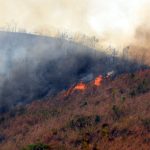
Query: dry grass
[{"x": 121, "y": 112}]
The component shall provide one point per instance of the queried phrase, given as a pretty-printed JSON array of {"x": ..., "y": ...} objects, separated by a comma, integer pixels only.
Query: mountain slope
[
  {"x": 34, "y": 67},
  {"x": 114, "y": 115}
]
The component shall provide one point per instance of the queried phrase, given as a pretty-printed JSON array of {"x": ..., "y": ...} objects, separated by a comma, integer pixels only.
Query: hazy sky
[{"x": 108, "y": 18}]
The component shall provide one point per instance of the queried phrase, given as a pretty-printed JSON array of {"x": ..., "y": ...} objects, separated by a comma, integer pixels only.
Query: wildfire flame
[
  {"x": 80, "y": 86},
  {"x": 98, "y": 80}
]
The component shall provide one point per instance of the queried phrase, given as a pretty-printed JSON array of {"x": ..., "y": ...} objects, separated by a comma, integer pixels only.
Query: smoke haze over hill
[
  {"x": 114, "y": 22},
  {"x": 33, "y": 67},
  {"x": 74, "y": 74},
  {"x": 43, "y": 65}
]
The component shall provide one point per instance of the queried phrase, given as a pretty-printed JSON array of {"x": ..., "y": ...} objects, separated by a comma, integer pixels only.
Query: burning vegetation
[
  {"x": 53, "y": 71},
  {"x": 83, "y": 86},
  {"x": 116, "y": 116},
  {"x": 80, "y": 86},
  {"x": 98, "y": 80}
]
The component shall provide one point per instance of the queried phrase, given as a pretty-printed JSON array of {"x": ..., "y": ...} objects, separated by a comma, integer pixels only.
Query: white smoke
[{"x": 112, "y": 20}]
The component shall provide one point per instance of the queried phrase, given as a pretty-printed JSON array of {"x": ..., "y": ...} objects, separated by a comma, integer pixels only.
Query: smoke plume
[
  {"x": 115, "y": 21},
  {"x": 33, "y": 67}
]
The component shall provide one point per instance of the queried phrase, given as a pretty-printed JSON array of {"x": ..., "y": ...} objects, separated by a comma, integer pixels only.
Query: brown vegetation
[{"x": 113, "y": 116}]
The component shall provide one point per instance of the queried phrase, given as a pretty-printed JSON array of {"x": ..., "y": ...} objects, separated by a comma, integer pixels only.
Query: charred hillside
[
  {"x": 113, "y": 115},
  {"x": 34, "y": 67}
]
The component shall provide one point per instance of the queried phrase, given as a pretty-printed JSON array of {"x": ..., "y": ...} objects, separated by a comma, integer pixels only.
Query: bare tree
[
  {"x": 11, "y": 26},
  {"x": 125, "y": 52}
]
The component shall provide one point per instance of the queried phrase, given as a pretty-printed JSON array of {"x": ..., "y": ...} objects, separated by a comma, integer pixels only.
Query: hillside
[
  {"x": 107, "y": 114},
  {"x": 34, "y": 67}
]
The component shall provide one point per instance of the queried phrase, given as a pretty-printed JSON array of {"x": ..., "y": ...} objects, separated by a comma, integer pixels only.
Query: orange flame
[
  {"x": 98, "y": 80},
  {"x": 80, "y": 86}
]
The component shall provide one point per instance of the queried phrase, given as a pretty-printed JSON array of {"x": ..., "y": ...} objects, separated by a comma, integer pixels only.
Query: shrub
[
  {"x": 120, "y": 132},
  {"x": 54, "y": 131},
  {"x": 81, "y": 122},
  {"x": 123, "y": 98},
  {"x": 105, "y": 130},
  {"x": 141, "y": 88},
  {"x": 2, "y": 138},
  {"x": 97, "y": 103},
  {"x": 55, "y": 113},
  {"x": 146, "y": 123},
  {"x": 38, "y": 146},
  {"x": 2, "y": 119},
  {"x": 117, "y": 113},
  {"x": 46, "y": 113},
  {"x": 83, "y": 104},
  {"x": 85, "y": 145},
  {"x": 97, "y": 119},
  {"x": 84, "y": 140},
  {"x": 113, "y": 92},
  {"x": 132, "y": 75},
  {"x": 132, "y": 93}
]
